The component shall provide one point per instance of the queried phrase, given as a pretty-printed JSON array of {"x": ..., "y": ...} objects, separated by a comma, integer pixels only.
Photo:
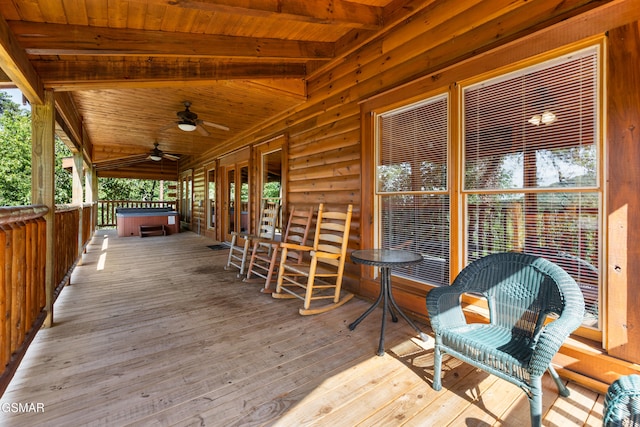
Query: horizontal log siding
[
  {"x": 199, "y": 211},
  {"x": 324, "y": 132}
]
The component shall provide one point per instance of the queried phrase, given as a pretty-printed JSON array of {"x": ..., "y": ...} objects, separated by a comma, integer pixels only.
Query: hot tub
[{"x": 129, "y": 220}]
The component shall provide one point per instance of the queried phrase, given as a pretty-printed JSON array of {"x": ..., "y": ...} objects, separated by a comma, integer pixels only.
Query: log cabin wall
[
  {"x": 623, "y": 173},
  {"x": 325, "y": 134},
  {"x": 199, "y": 216}
]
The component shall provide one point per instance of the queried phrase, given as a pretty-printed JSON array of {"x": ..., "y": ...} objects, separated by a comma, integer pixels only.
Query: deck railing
[
  {"x": 107, "y": 208},
  {"x": 23, "y": 251},
  {"x": 22, "y": 282},
  {"x": 67, "y": 220}
]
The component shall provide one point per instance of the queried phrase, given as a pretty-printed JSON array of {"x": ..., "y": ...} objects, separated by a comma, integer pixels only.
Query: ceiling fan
[
  {"x": 154, "y": 155},
  {"x": 189, "y": 121},
  {"x": 157, "y": 154}
]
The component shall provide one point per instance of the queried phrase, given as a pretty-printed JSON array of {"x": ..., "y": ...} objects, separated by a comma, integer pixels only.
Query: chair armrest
[
  {"x": 551, "y": 338},
  {"x": 553, "y": 335},
  {"x": 296, "y": 247},
  {"x": 242, "y": 234},
  {"x": 444, "y": 308},
  {"x": 265, "y": 241},
  {"x": 325, "y": 255}
]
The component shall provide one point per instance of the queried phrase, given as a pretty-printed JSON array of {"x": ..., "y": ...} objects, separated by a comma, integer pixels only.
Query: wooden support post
[
  {"x": 91, "y": 195},
  {"x": 42, "y": 184},
  {"x": 78, "y": 197}
]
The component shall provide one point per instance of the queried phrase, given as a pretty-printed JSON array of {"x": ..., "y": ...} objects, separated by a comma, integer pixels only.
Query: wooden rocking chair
[
  {"x": 319, "y": 275},
  {"x": 264, "y": 256},
  {"x": 240, "y": 242}
]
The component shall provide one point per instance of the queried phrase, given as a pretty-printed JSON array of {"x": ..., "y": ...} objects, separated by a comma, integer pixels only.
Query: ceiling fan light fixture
[
  {"x": 155, "y": 157},
  {"x": 186, "y": 126}
]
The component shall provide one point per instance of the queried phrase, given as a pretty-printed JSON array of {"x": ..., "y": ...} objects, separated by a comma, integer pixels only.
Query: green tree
[
  {"x": 129, "y": 189},
  {"x": 15, "y": 149},
  {"x": 63, "y": 179},
  {"x": 15, "y": 157}
]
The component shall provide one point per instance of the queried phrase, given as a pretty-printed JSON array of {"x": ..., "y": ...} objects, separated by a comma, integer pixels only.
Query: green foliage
[
  {"x": 271, "y": 190},
  {"x": 63, "y": 179},
  {"x": 15, "y": 165},
  {"x": 15, "y": 157},
  {"x": 130, "y": 189},
  {"x": 15, "y": 150}
]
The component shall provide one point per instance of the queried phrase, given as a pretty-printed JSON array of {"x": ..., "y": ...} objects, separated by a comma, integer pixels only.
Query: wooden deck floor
[{"x": 153, "y": 331}]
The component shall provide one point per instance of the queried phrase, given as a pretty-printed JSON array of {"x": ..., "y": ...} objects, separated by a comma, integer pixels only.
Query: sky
[{"x": 16, "y": 96}]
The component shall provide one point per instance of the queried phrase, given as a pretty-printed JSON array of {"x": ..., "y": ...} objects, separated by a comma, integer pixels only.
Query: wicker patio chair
[
  {"x": 622, "y": 403},
  {"x": 533, "y": 307}
]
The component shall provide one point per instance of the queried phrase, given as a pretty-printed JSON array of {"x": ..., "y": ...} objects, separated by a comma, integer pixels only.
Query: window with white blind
[
  {"x": 527, "y": 177},
  {"x": 531, "y": 167},
  {"x": 412, "y": 189}
]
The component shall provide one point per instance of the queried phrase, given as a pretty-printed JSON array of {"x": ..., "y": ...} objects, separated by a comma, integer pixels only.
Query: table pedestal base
[{"x": 386, "y": 296}]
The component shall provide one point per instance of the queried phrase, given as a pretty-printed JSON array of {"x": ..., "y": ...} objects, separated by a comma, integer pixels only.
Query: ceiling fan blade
[
  {"x": 121, "y": 162},
  {"x": 214, "y": 125},
  {"x": 162, "y": 129},
  {"x": 202, "y": 130},
  {"x": 171, "y": 157}
]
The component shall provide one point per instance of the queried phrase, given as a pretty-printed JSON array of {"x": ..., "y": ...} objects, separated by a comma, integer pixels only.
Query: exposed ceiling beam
[
  {"x": 16, "y": 66},
  {"x": 58, "y": 39},
  {"x": 67, "y": 113},
  {"x": 318, "y": 11},
  {"x": 295, "y": 87},
  {"x": 395, "y": 13},
  {"x": 138, "y": 172},
  {"x": 155, "y": 72}
]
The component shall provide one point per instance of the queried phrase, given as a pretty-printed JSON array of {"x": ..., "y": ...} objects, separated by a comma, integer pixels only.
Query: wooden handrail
[{"x": 9, "y": 214}]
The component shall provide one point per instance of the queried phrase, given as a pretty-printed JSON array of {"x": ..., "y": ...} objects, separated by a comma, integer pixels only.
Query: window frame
[
  {"x": 556, "y": 56},
  {"x": 442, "y": 95},
  {"x": 450, "y": 80}
]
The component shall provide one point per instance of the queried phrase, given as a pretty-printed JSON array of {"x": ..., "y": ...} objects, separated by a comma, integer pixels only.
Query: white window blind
[
  {"x": 531, "y": 158},
  {"x": 412, "y": 186},
  {"x": 535, "y": 128}
]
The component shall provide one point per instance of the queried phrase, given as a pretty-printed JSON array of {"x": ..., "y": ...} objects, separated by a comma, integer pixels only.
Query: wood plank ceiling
[
  {"x": 126, "y": 67},
  {"x": 131, "y": 65}
]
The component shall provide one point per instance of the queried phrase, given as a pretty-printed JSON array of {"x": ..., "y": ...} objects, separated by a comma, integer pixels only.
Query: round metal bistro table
[{"x": 385, "y": 259}]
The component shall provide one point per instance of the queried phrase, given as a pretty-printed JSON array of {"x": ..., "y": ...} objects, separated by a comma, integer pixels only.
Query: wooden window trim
[{"x": 480, "y": 68}]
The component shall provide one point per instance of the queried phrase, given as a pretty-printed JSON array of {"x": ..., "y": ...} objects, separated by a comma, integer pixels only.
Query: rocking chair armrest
[
  {"x": 265, "y": 241},
  {"x": 444, "y": 308},
  {"x": 243, "y": 234},
  {"x": 326, "y": 255},
  {"x": 296, "y": 247}
]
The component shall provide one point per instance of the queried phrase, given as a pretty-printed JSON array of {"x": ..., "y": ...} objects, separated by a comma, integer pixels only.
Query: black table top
[{"x": 385, "y": 257}]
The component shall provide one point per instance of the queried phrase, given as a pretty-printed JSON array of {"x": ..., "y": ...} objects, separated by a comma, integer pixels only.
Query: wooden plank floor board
[{"x": 154, "y": 332}]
